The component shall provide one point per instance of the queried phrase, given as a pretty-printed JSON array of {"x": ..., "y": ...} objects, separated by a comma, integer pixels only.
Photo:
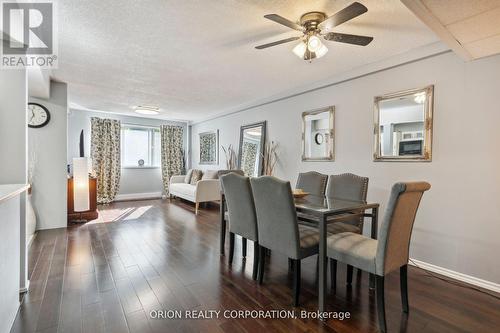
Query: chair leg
[
  {"x": 296, "y": 282},
  {"x": 244, "y": 247},
  {"x": 403, "y": 281},
  {"x": 349, "y": 275},
  {"x": 196, "y": 206},
  {"x": 290, "y": 265},
  {"x": 255, "y": 260},
  {"x": 262, "y": 262},
  {"x": 231, "y": 248},
  {"x": 333, "y": 274},
  {"x": 380, "y": 303}
]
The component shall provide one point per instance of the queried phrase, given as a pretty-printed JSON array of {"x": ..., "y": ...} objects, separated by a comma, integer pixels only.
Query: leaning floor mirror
[
  {"x": 403, "y": 125},
  {"x": 318, "y": 135},
  {"x": 251, "y": 150}
]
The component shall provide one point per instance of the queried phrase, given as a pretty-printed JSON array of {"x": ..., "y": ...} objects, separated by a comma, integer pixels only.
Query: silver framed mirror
[
  {"x": 251, "y": 149},
  {"x": 403, "y": 125},
  {"x": 318, "y": 134},
  {"x": 209, "y": 147}
]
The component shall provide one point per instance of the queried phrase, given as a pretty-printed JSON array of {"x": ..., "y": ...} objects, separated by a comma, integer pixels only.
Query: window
[{"x": 140, "y": 143}]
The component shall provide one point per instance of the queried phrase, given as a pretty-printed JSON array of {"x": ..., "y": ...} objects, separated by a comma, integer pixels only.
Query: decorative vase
[{"x": 30, "y": 219}]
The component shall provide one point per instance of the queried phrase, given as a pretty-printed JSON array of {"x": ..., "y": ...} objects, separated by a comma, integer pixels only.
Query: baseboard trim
[
  {"x": 458, "y": 276},
  {"x": 138, "y": 196}
]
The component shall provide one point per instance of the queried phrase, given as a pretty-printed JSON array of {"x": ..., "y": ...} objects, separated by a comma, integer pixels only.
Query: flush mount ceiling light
[
  {"x": 419, "y": 97},
  {"x": 314, "y": 25},
  {"x": 147, "y": 110}
]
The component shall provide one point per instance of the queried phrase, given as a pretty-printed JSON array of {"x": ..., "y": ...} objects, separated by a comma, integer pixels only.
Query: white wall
[
  {"x": 133, "y": 181},
  {"x": 49, "y": 146},
  {"x": 13, "y": 132},
  {"x": 458, "y": 224},
  {"x": 13, "y": 170}
]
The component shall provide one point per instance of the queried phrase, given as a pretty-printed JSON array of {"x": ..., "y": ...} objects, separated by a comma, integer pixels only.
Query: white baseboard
[
  {"x": 458, "y": 276},
  {"x": 139, "y": 196}
]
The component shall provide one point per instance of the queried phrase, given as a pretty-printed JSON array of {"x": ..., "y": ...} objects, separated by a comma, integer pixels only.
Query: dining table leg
[
  {"x": 222, "y": 225},
  {"x": 374, "y": 235},
  {"x": 322, "y": 265}
]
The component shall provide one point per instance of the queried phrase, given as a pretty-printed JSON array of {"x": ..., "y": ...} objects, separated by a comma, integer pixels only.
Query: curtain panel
[
  {"x": 106, "y": 159},
  {"x": 172, "y": 157}
]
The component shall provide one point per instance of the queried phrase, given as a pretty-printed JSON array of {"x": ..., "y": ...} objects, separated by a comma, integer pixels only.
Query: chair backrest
[
  {"x": 312, "y": 182},
  {"x": 221, "y": 173},
  {"x": 397, "y": 225},
  {"x": 348, "y": 186},
  {"x": 276, "y": 216},
  {"x": 240, "y": 205}
]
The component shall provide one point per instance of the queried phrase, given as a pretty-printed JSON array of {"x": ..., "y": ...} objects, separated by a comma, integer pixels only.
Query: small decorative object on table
[{"x": 299, "y": 193}]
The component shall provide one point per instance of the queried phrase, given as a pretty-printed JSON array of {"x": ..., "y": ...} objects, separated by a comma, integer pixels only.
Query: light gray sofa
[{"x": 204, "y": 190}]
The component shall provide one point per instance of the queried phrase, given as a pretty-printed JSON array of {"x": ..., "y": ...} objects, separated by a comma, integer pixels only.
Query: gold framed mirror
[
  {"x": 318, "y": 136},
  {"x": 403, "y": 125}
]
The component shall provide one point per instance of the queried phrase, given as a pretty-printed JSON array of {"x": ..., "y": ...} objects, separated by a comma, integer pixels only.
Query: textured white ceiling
[
  {"x": 195, "y": 59},
  {"x": 470, "y": 27}
]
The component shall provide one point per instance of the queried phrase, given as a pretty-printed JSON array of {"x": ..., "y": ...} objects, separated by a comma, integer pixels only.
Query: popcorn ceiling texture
[{"x": 194, "y": 59}]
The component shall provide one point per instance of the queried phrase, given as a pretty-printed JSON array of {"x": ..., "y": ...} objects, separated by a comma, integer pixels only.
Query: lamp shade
[{"x": 80, "y": 184}]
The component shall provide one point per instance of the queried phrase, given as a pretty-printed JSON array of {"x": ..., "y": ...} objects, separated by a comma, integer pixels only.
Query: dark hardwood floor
[{"x": 156, "y": 255}]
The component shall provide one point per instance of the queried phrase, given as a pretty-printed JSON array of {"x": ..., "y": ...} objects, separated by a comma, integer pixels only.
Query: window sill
[{"x": 139, "y": 167}]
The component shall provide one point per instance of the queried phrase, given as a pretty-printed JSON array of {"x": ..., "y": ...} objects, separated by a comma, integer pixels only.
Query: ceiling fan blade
[
  {"x": 349, "y": 39},
  {"x": 286, "y": 22},
  {"x": 278, "y": 42},
  {"x": 346, "y": 14}
]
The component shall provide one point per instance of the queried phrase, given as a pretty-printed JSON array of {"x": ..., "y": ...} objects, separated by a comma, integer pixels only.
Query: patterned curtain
[
  {"x": 105, "y": 154},
  {"x": 172, "y": 157}
]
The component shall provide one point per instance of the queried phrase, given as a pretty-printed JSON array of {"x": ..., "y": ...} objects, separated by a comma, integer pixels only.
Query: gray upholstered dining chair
[
  {"x": 221, "y": 173},
  {"x": 390, "y": 252},
  {"x": 346, "y": 186},
  {"x": 312, "y": 182},
  {"x": 278, "y": 227},
  {"x": 242, "y": 217}
]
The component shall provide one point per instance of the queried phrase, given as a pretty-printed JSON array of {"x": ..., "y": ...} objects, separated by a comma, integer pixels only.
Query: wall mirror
[
  {"x": 318, "y": 135},
  {"x": 251, "y": 149},
  {"x": 403, "y": 125},
  {"x": 209, "y": 147}
]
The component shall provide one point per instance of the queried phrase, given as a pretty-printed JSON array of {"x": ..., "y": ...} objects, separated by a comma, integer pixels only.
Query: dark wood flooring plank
[{"x": 108, "y": 277}]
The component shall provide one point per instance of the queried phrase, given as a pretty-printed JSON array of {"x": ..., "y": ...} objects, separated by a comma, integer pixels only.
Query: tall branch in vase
[
  {"x": 269, "y": 158},
  {"x": 230, "y": 157}
]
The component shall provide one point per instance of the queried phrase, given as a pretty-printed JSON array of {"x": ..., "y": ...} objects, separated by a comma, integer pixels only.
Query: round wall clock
[
  {"x": 38, "y": 115},
  {"x": 318, "y": 138}
]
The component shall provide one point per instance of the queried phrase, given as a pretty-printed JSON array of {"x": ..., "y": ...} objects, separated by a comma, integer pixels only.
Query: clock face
[{"x": 38, "y": 115}]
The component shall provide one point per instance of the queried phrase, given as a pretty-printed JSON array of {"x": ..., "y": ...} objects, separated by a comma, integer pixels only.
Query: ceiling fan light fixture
[
  {"x": 314, "y": 43},
  {"x": 300, "y": 49},
  {"x": 321, "y": 51}
]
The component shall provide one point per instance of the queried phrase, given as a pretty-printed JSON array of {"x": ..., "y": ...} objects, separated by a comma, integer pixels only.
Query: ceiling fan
[{"x": 314, "y": 25}]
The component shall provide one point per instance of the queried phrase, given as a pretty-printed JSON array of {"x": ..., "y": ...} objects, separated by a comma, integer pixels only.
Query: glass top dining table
[{"x": 324, "y": 210}]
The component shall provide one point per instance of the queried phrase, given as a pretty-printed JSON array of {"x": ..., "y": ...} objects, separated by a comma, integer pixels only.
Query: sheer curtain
[
  {"x": 106, "y": 159},
  {"x": 172, "y": 159}
]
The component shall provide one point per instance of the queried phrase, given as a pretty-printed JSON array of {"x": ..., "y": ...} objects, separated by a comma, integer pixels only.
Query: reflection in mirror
[
  {"x": 403, "y": 125},
  {"x": 209, "y": 147},
  {"x": 252, "y": 141},
  {"x": 318, "y": 135}
]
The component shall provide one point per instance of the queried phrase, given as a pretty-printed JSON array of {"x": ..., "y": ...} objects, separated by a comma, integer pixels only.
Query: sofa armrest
[
  {"x": 177, "y": 179},
  {"x": 207, "y": 190}
]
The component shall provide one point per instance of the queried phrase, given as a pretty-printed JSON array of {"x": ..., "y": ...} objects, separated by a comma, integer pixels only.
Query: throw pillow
[
  {"x": 210, "y": 174},
  {"x": 195, "y": 177},
  {"x": 187, "y": 179}
]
